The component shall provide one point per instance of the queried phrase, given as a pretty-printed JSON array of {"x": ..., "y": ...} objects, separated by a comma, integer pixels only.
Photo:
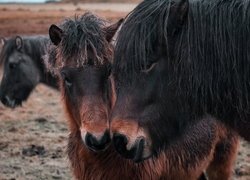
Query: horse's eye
[
  {"x": 67, "y": 82},
  {"x": 149, "y": 67},
  {"x": 12, "y": 65}
]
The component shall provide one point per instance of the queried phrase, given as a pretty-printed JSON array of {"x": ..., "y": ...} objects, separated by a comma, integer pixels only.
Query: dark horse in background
[
  {"x": 23, "y": 68},
  {"x": 81, "y": 56},
  {"x": 175, "y": 63}
]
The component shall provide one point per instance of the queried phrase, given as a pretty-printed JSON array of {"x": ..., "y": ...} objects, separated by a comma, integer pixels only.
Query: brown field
[
  {"x": 36, "y": 19},
  {"x": 33, "y": 137}
]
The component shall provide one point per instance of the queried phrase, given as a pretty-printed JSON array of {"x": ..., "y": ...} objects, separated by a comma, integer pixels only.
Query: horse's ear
[
  {"x": 2, "y": 42},
  {"x": 112, "y": 29},
  {"x": 55, "y": 34},
  {"x": 178, "y": 13},
  {"x": 19, "y": 43}
]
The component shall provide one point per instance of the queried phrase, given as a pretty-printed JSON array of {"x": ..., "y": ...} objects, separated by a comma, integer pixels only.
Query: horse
[
  {"x": 23, "y": 68},
  {"x": 172, "y": 67},
  {"x": 81, "y": 55}
]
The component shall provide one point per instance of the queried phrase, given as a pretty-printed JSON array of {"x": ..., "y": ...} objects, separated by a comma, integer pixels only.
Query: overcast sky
[{"x": 23, "y": 1}]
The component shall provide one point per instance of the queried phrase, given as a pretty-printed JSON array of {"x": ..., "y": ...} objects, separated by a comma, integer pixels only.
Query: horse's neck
[
  {"x": 49, "y": 80},
  {"x": 110, "y": 165},
  {"x": 46, "y": 77}
]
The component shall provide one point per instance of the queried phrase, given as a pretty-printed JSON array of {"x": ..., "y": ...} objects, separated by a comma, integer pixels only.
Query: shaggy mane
[
  {"x": 80, "y": 36},
  {"x": 210, "y": 56}
]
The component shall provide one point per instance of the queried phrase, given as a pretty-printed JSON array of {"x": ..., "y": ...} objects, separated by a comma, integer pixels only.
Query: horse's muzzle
[
  {"x": 98, "y": 144},
  {"x": 136, "y": 152}
]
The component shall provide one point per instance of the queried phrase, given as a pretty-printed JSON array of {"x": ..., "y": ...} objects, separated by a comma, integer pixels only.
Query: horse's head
[
  {"x": 20, "y": 73},
  {"x": 143, "y": 118},
  {"x": 81, "y": 56}
]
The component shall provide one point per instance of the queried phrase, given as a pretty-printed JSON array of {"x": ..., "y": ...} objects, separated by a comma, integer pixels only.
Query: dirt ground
[
  {"x": 36, "y": 19},
  {"x": 33, "y": 137}
]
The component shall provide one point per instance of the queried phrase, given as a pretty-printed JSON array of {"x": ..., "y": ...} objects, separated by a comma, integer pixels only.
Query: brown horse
[{"x": 81, "y": 55}]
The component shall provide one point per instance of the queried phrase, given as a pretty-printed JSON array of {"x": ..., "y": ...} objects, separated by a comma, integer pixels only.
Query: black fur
[
  {"x": 200, "y": 56},
  {"x": 21, "y": 58}
]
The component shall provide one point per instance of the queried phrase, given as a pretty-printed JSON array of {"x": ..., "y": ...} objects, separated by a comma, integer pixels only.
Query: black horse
[
  {"x": 176, "y": 61},
  {"x": 23, "y": 67}
]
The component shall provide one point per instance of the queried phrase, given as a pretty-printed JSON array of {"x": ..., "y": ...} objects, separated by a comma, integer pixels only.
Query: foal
[{"x": 80, "y": 55}]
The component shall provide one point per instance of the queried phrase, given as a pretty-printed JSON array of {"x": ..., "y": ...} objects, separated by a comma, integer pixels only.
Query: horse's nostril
[
  {"x": 120, "y": 142},
  {"x": 139, "y": 150},
  {"x": 97, "y": 144},
  {"x": 90, "y": 139},
  {"x": 106, "y": 138},
  {"x": 4, "y": 100},
  {"x": 7, "y": 101},
  {"x": 136, "y": 152}
]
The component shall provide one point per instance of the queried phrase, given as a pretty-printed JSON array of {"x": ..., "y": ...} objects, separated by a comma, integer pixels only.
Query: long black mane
[
  {"x": 210, "y": 55},
  {"x": 81, "y": 35},
  {"x": 143, "y": 28}
]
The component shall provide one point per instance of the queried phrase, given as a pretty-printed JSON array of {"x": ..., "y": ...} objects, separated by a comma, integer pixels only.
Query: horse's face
[
  {"x": 87, "y": 99},
  {"x": 87, "y": 94},
  {"x": 143, "y": 118},
  {"x": 20, "y": 76},
  {"x": 143, "y": 107}
]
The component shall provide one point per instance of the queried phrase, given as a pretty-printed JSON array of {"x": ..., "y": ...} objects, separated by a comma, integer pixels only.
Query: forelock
[{"x": 81, "y": 36}]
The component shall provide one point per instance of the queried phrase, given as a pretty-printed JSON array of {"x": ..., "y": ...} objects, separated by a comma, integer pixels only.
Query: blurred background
[
  {"x": 33, "y": 137},
  {"x": 27, "y": 17}
]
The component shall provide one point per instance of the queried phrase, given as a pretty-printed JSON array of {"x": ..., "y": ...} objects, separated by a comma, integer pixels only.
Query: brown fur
[
  {"x": 176, "y": 163},
  {"x": 94, "y": 116},
  {"x": 186, "y": 158},
  {"x": 225, "y": 155},
  {"x": 131, "y": 128},
  {"x": 89, "y": 112}
]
